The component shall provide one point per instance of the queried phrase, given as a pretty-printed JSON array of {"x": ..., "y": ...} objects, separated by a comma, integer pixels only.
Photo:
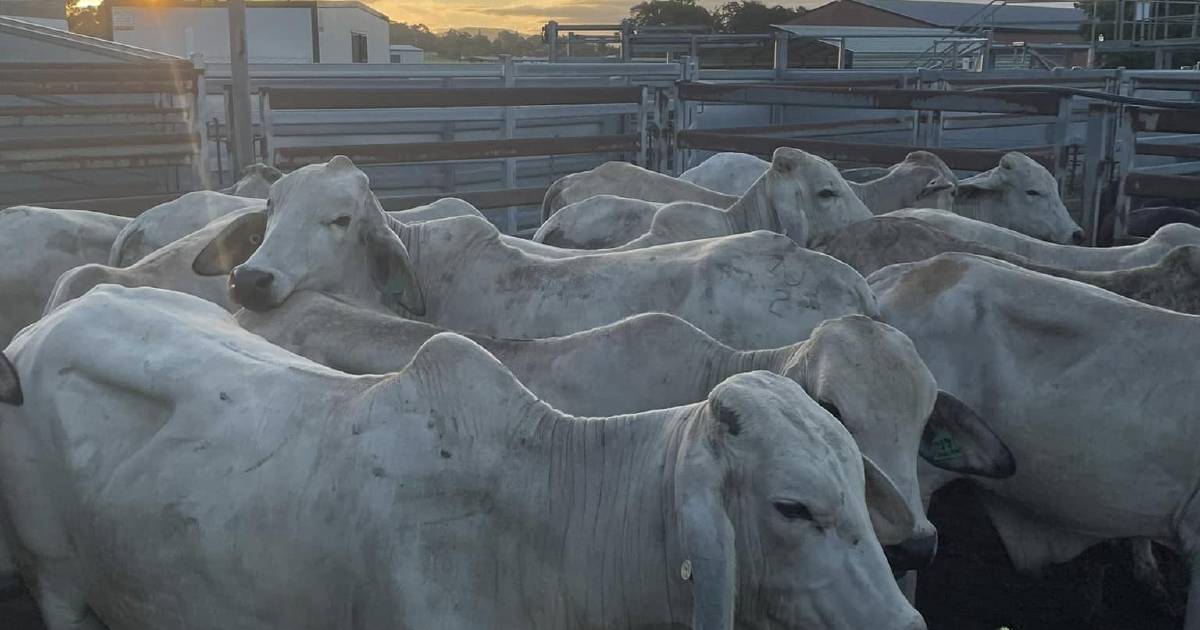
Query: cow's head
[
  {"x": 1021, "y": 195},
  {"x": 807, "y": 193},
  {"x": 771, "y": 499},
  {"x": 322, "y": 230},
  {"x": 869, "y": 376}
]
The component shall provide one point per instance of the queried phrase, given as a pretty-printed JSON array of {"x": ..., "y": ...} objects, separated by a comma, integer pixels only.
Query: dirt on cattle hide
[{"x": 973, "y": 586}]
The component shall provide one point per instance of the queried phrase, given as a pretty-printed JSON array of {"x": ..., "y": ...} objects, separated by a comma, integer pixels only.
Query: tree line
[{"x": 737, "y": 16}]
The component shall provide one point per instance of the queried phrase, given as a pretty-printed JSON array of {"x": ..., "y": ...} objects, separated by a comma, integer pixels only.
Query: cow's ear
[
  {"x": 891, "y": 517},
  {"x": 983, "y": 183},
  {"x": 935, "y": 186},
  {"x": 957, "y": 439},
  {"x": 10, "y": 383},
  {"x": 392, "y": 270},
  {"x": 233, "y": 245}
]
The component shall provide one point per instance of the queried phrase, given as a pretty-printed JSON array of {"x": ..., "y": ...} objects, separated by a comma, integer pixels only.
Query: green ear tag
[{"x": 944, "y": 447}]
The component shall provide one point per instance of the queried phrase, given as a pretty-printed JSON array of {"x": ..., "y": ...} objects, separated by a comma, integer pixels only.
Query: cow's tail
[{"x": 10, "y": 383}]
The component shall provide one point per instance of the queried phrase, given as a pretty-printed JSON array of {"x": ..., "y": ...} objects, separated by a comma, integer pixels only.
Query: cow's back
[
  {"x": 37, "y": 245},
  {"x": 756, "y": 290},
  {"x": 1083, "y": 385}
]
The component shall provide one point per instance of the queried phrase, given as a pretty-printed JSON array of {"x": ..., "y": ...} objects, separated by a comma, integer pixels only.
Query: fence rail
[{"x": 78, "y": 132}]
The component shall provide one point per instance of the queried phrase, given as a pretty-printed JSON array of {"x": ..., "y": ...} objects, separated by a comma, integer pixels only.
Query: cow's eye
[
  {"x": 1033, "y": 193},
  {"x": 827, "y": 193},
  {"x": 341, "y": 221},
  {"x": 792, "y": 510}
]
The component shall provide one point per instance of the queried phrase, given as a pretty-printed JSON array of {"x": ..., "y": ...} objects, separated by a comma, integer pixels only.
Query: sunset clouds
[{"x": 526, "y": 16}]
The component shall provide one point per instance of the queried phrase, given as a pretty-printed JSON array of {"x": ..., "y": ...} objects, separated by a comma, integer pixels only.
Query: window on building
[{"x": 358, "y": 50}]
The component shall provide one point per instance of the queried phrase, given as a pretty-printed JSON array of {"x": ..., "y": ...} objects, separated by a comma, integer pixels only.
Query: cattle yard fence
[
  {"x": 122, "y": 137},
  {"x": 110, "y": 137}
]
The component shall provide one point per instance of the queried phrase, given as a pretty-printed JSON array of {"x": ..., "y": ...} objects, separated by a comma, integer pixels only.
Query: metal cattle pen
[{"x": 112, "y": 137}]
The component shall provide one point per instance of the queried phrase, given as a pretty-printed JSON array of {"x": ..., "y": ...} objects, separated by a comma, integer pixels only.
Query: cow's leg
[{"x": 62, "y": 602}]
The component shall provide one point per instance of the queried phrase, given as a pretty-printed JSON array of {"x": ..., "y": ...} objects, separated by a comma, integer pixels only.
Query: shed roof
[
  {"x": 251, "y": 4},
  {"x": 1021, "y": 17},
  {"x": 101, "y": 48}
]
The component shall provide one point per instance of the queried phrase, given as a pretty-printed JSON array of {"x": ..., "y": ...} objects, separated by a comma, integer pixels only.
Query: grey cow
[
  {"x": 1172, "y": 283},
  {"x": 1095, "y": 394},
  {"x": 36, "y": 246},
  {"x": 866, "y": 373},
  {"x": 325, "y": 232},
  {"x": 168, "y": 470}
]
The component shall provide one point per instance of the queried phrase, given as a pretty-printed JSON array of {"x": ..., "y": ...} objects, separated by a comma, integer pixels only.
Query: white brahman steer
[
  {"x": 168, "y": 267},
  {"x": 36, "y": 246},
  {"x": 922, "y": 179},
  {"x": 1172, "y": 283},
  {"x": 867, "y": 375},
  {"x": 1147, "y": 252},
  {"x": 801, "y": 196},
  {"x": 1096, "y": 395},
  {"x": 171, "y": 221},
  {"x": 169, "y": 470},
  {"x": 325, "y": 232},
  {"x": 255, "y": 181},
  {"x": 1021, "y": 195}
]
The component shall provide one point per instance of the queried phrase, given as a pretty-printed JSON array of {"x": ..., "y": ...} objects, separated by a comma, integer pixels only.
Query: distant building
[
  {"x": 407, "y": 53},
  {"x": 1057, "y": 29},
  {"x": 22, "y": 41},
  {"x": 277, "y": 31},
  {"x": 52, "y": 13}
]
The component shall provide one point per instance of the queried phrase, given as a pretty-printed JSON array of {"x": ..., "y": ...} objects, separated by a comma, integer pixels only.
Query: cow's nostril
[
  {"x": 1077, "y": 237},
  {"x": 263, "y": 281}
]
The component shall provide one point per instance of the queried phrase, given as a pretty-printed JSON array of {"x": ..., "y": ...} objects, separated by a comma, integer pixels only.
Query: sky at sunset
[{"x": 526, "y": 16}]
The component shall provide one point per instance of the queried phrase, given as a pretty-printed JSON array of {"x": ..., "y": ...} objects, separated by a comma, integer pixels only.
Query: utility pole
[{"x": 240, "y": 125}]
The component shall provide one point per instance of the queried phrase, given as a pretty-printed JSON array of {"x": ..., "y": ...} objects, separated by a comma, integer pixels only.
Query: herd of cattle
[{"x": 714, "y": 401}]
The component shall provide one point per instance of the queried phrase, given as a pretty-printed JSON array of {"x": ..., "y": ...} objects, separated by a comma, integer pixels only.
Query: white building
[
  {"x": 51, "y": 13},
  {"x": 288, "y": 31},
  {"x": 407, "y": 53}
]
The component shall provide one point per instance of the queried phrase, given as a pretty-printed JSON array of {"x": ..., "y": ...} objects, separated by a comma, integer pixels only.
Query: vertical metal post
[
  {"x": 841, "y": 53},
  {"x": 264, "y": 113},
  {"x": 243, "y": 131},
  {"x": 552, "y": 40},
  {"x": 509, "y": 74},
  {"x": 683, "y": 117},
  {"x": 199, "y": 125},
  {"x": 780, "y": 65},
  {"x": 1096, "y": 168},
  {"x": 626, "y": 34},
  {"x": 1125, "y": 154},
  {"x": 643, "y": 124},
  {"x": 1062, "y": 131}
]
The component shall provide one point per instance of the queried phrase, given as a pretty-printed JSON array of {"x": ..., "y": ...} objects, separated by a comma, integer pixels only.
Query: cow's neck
[
  {"x": 609, "y": 486},
  {"x": 439, "y": 250},
  {"x": 754, "y": 210},
  {"x": 726, "y": 364},
  {"x": 978, "y": 206}
]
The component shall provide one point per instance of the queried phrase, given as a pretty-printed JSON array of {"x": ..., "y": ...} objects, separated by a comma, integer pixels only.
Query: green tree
[
  {"x": 752, "y": 16},
  {"x": 670, "y": 13},
  {"x": 91, "y": 21}
]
